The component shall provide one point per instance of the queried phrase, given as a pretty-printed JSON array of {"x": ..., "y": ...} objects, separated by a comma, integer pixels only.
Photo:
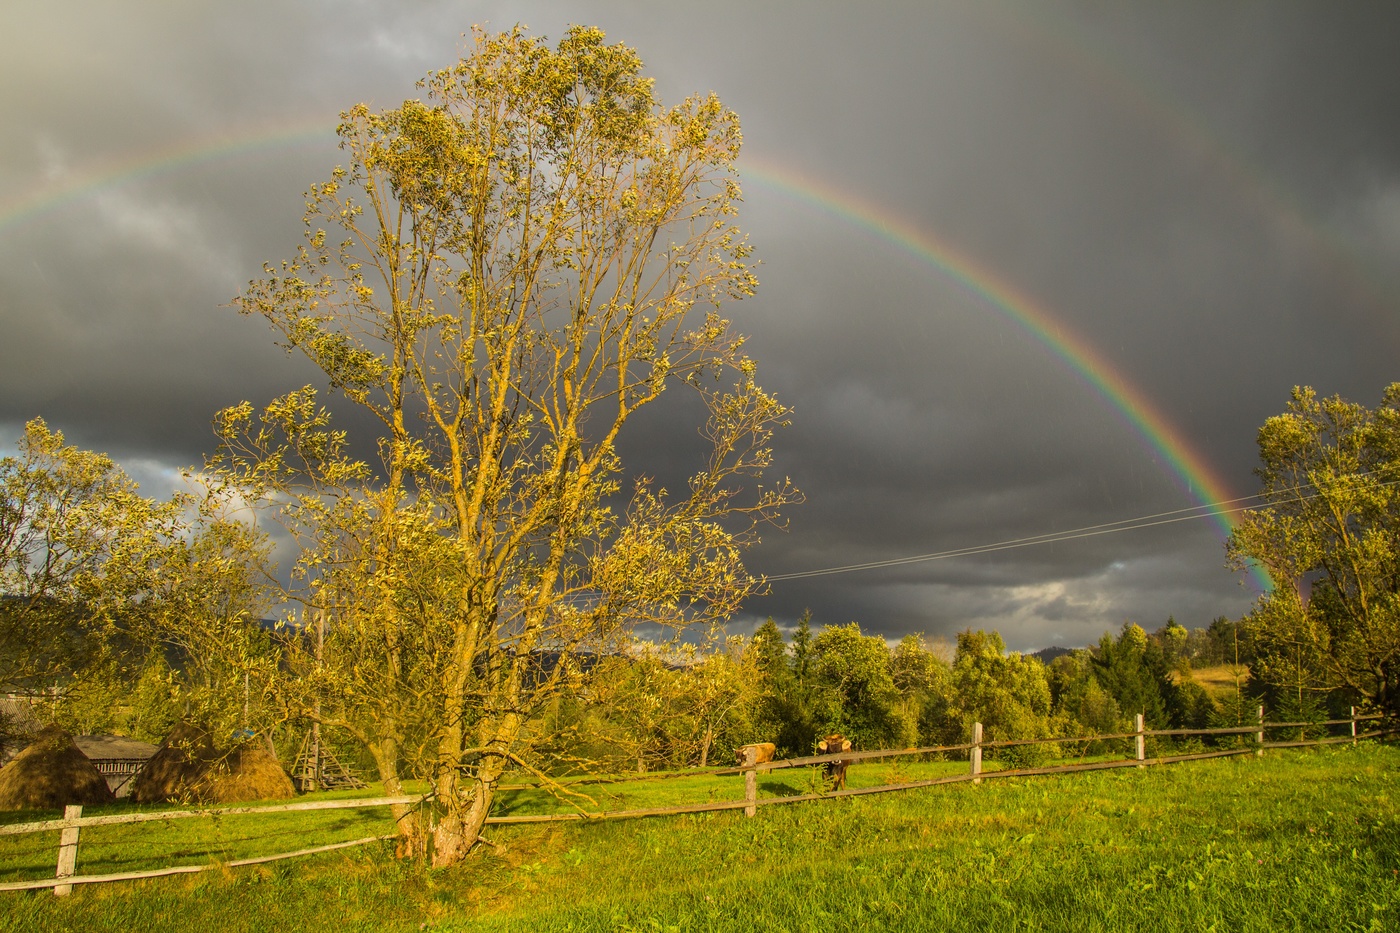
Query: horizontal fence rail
[
  {"x": 1330, "y": 740},
  {"x": 117, "y": 819},
  {"x": 69, "y": 881},
  {"x": 73, "y": 821}
]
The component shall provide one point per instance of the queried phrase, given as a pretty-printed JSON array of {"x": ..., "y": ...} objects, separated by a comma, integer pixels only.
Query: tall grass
[{"x": 1297, "y": 840}]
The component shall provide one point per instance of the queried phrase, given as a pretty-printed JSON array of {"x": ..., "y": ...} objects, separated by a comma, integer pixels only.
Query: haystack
[
  {"x": 188, "y": 766},
  {"x": 51, "y": 773}
]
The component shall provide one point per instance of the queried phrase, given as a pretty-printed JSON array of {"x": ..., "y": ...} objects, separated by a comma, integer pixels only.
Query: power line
[{"x": 1088, "y": 531}]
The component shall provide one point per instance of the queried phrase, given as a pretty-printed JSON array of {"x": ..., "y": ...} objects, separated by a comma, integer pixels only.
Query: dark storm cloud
[{"x": 1209, "y": 195}]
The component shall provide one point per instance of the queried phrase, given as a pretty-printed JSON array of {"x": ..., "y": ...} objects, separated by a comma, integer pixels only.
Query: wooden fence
[{"x": 72, "y": 822}]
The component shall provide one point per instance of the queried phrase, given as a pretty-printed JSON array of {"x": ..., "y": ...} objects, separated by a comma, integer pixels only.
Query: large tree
[
  {"x": 852, "y": 691},
  {"x": 1329, "y": 539},
  {"x": 502, "y": 276},
  {"x": 1008, "y": 692}
]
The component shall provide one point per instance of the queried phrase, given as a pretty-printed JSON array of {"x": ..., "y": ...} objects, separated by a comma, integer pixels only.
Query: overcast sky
[{"x": 1198, "y": 204}]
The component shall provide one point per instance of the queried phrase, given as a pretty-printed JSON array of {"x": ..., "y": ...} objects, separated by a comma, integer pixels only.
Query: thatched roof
[
  {"x": 51, "y": 773},
  {"x": 189, "y": 767}
]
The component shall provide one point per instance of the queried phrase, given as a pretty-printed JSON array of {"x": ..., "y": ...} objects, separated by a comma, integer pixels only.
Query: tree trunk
[
  {"x": 407, "y": 821},
  {"x": 464, "y": 815},
  {"x": 459, "y": 830},
  {"x": 705, "y": 745}
]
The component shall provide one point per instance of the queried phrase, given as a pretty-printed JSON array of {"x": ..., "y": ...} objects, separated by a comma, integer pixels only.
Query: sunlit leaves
[
  {"x": 1329, "y": 537},
  {"x": 97, "y": 580}
]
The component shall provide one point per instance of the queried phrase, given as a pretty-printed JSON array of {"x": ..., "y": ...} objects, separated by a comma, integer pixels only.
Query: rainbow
[
  {"x": 1199, "y": 478},
  {"x": 147, "y": 164},
  {"x": 1191, "y": 468}
]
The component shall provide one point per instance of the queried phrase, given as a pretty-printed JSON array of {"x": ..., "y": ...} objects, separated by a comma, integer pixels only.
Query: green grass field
[{"x": 1297, "y": 840}]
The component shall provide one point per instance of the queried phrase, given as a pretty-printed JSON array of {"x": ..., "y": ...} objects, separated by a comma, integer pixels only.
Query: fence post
[
  {"x": 1259, "y": 736},
  {"x": 750, "y": 781},
  {"x": 974, "y": 754},
  {"x": 1140, "y": 740},
  {"x": 67, "y": 850},
  {"x": 1353, "y": 725}
]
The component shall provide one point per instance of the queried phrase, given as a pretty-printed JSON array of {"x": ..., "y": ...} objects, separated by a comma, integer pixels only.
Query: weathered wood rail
[{"x": 72, "y": 822}]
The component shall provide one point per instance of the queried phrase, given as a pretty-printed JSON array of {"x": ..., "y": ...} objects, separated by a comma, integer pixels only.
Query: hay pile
[
  {"x": 188, "y": 767},
  {"x": 50, "y": 774}
]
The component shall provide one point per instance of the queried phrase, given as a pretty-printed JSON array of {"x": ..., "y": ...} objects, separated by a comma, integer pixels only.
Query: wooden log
[
  {"x": 1353, "y": 725},
  {"x": 860, "y": 791},
  {"x": 989, "y": 775},
  {"x": 807, "y": 760},
  {"x": 1149, "y": 762},
  {"x": 704, "y": 807},
  {"x": 68, "y": 849},
  {"x": 618, "y": 778},
  {"x": 1329, "y": 740},
  {"x": 1010, "y": 743},
  {"x": 975, "y": 776},
  {"x": 974, "y": 757},
  {"x": 1140, "y": 738},
  {"x": 1303, "y": 724},
  {"x": 621, "y": 814},
  {"x": 1259, "y": 736}
]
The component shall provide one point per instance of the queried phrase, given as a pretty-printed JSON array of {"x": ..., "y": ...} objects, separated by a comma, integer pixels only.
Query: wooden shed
[{"x": 117, "y": 758}]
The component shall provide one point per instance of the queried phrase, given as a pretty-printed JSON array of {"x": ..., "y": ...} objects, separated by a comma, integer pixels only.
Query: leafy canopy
[{"x": 1329, "y": 538}]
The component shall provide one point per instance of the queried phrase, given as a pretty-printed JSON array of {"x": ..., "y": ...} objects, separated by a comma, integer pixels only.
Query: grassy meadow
[
  {"x": 1296, "y": 840},
  {"x": 1221, "y": 681}
]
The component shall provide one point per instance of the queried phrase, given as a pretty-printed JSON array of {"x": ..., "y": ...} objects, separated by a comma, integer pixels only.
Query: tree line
[{"x": 653, "y": 712}]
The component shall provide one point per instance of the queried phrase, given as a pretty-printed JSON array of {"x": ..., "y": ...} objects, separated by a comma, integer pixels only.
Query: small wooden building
[{"x": 117, "y": 758}]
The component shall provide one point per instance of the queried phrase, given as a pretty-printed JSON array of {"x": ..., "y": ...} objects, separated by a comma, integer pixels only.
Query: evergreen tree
[
  {"x": 1133, "y": 670},
  {"x": 802, "y": 648},
  {"x": 770, "y": 653},
  {"x": 1080, "y": 701},
  {"x": 781, "y": 715}
]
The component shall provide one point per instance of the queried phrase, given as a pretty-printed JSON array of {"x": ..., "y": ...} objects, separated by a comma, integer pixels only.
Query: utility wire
[{"x": 1088, "y": 531}]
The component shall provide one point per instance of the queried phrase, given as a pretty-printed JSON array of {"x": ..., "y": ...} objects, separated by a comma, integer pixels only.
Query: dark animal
[
  {"x": 763, "y": 751},
  {"x": 835, "y": 770}
]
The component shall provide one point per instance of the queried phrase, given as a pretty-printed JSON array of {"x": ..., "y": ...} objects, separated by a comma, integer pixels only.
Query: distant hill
[{"x": 1046, "y": 655}]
